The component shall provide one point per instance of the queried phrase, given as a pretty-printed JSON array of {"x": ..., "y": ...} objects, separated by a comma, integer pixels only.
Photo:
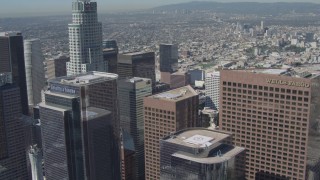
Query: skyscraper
[
  {"x": 137, "y": 64},
  {"x": 13, "y": 163},
  {"x": 168, "y": 58},
  {"x": 212, "y": 86},
  {"x": 110, "y": 44},
  {"x": 85, "y": 39},
  {"x": 175, "y": 80},
  {"x": 80, "y": 127},
  {"x": 131, "y": 93},
  {"x": 166, "y": 113},
  {"x": 110, "y": 56},
  {"x": 56, "y": 67},
  {"x": 274, "y": 114},
  {"x": 199, "y": 153},
  {"x": 12, "y": 63},
  {"x": 35, "y": 156},
  {"x": 35, "y": 75}
]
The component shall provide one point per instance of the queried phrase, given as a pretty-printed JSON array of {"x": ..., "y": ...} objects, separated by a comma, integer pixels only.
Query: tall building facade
[
  {"x": 110, "y": 56},
  {"x": 12, "y": 63},
  {"x": 35, "y": 75},
  {"x": 85, "y": 39},
  {"x": 200, "y": 153},
  {"x": 110, "y": 44},
  {"x": 128, "y": 157},
  {"x": 131, "y": 93},
  {"x": 175, "y": 80},
  {"x": 13, "y": 163},
  {"x": 166, "y": 113},
  {"x": 212, "y": 86},
  {"x": 57, "y": 67},
  {"x": 168, "y": 58},
  {"x": 80, "y": 127},
  {"x": 35, "y": 156},
  {"x": 274, "y": 114},
  {"x": 138, "y": 64}
]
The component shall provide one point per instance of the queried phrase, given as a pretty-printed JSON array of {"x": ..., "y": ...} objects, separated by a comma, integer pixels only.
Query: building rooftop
[
  {"x": 176, "y": 94},
  {"x": 135, "y": 53},
  {"x": 290, "y": 72},
  {"x": 167, "y": 44},
  {"x": 54, "y": 107},
  {"x": 93, "y": 113},
  {"x": 10, "y": 33},
  {"x": 208, "y": 145},
  {"x": 110, "y": 50},
  {"x": 198, "y": 138},
  {"x": 31, "y": 40},
  {"x": 219, "y": 157},
  {"x": 137, "y": 79},
  {"x": 85, "y": 79}
]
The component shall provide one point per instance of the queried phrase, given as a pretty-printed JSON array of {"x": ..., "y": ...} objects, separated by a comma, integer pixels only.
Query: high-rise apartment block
[
  {"x": 168, "y": 58},
  {"x": 274, "y": 114},
  {"x": 200, "y": 153},
  {"x": 166, "y": 113},
  {"x": 80, "y": 127},
  {"x": 85, "y": 39},
  {"x": 13, "y": 163},
  {"x": 57, "y": 67},
  {"x": 35, "y": 74},
  {"x": 212, "y": 86},
  {"x": 131, "y": 93},
  {"x": 137, "y": 64},
  {"x": 12, "y": 64}
]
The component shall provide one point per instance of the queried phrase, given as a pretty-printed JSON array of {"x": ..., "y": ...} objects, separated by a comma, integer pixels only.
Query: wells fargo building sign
[{"x": 288, "y": 83}]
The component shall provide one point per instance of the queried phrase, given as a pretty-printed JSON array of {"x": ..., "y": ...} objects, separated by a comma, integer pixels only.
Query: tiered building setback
[{"x": 85, "y": 39}]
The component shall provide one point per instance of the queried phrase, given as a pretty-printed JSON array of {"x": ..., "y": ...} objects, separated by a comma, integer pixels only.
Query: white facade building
[
  {"x": 85, "y": 39},
  {"x": 35, "y": 74},
  {"x": 212, "y": 86}
]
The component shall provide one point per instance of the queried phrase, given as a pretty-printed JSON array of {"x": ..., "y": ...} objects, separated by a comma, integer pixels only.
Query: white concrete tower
[
  {"x": 85, "y": 39},
  {"x": 212, "y": 83}
]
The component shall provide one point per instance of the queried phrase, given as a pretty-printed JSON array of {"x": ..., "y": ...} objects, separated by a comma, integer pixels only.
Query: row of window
[{"x": 265, "y": 88}]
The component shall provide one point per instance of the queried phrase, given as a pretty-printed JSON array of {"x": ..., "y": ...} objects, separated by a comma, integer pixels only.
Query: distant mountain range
[{"x": 245, "y": 7}]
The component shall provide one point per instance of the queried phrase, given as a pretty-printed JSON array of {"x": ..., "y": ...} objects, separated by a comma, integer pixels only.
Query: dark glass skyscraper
[
  {"x": 13, "y": 163},
  {"x": 168, "y": 58},
  {"x": 137, "y": 64},
  {"x": 80, "y": 127},
  {"x": 12, "y": 62},
  {"x": 131, "y": 93},
  {"x": 110, "y": 44},
  {"x": 110, "y": 56}
]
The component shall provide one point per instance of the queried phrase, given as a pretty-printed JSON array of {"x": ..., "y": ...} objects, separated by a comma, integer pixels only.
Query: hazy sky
[{"x": 11, "y": 7}]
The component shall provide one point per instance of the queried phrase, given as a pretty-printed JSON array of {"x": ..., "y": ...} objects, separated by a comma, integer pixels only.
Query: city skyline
[
  {"x": 60, "y": 7},
  {"x": 160, "y": 90}
]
